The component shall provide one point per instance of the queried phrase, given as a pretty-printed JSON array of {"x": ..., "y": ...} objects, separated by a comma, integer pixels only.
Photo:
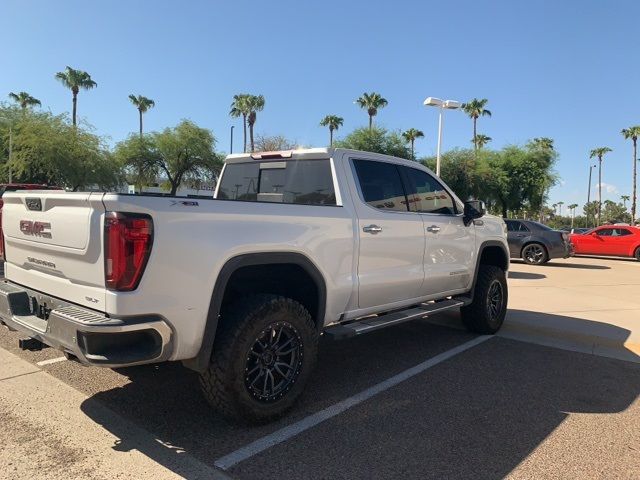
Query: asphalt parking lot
[{"x": 555, "y": 396}]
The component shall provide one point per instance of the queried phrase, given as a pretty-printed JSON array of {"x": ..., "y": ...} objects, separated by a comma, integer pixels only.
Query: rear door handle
[
  {"x": 433, "y": 229},
  {"x": 372, "y": 229}
]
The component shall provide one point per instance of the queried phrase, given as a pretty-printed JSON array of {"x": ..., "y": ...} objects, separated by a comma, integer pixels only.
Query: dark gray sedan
[{"x": 536, "y": 243}]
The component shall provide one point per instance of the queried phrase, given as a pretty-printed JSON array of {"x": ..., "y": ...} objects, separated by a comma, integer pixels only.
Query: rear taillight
[{"x": 127, "y": 244}]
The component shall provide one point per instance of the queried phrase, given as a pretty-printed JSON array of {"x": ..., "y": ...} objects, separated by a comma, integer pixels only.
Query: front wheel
[
  {"x": 262, "y": 357},
  {"x": 489, "y": 307},
  {"x": 636, "y": 254},
  {"x": 535, "y": 254}
]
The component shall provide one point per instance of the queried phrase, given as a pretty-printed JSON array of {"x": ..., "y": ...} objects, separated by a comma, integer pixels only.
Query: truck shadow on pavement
[
  {"x": 526, "y": 276},
  {"x": 477, "y": 415}
]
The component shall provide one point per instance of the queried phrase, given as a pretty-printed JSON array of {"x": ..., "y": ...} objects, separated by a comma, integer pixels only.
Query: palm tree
[
  {"x": 475, "y": 109},
  {"x": 481, "y": 140},
  {"x": 143, "y": 104},
  {"x": 333, "y": 122},
  {"x": 633, "y": 133},
  {"x": 560, "y": 208},
  {"x": 255, "y": 103},
  {"x": 625, "y": 199},
  {"x": 573, "y": 207},
  {"x": 410, "y": 136},
  {"x": 555, "y": 208},
  {"x": 24, "y": 100},
  {"x": 74, "y": 80},
  {"x": 371, "y": 102},
  {"x": 599, "y": 152},
  {"x": 240, "y": 108}
]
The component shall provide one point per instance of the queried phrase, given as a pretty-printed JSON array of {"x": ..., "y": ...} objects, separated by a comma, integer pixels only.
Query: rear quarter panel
[{"x": 194, "y": 238}]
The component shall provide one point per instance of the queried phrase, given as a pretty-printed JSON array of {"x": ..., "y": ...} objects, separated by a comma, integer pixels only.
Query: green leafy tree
[
  {"x": 633, "y": 133},
  {"x": 599, "y": 153},
  {"x": 615, "y": 212},
  {"x": 139, "y": 160},
  {"x": 185, "y": 152},
  {"x": 371, "y": 102},
  {"x": 273, "y": 143},
  {"x": 377, "y": 140},
  {"x": 475, "y": 109},
  {"x": 460, "y": 172},
  {"x": 240, "y": 108},
  {"x": 410, "y": 136},
  {"x": 75, "y": 80},
  {"x": 255, "y": 104},
  {"x": 481, "y": 140},
  {"x": 518, "y": 177},
  {"x": 591, "y": 209},
  {"x": 142, "y": 104},
  {"x": 48, "y": 149},
  {"x": 24, "y": 100},
  {"x": 333, "y": 122}
]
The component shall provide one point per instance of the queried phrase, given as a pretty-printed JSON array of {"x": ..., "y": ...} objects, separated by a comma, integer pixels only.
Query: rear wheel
[
  {"x": 636, "y": 254},
  {"x": 262, "y": 357},
  {"x": 535, "y": 254},
  {"x": 489, "y": 307}
]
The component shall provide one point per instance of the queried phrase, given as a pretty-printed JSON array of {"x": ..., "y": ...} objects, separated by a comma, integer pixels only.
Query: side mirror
[
  {"x": 473, "y": 209},
  {"x": 594, "y": 234}
]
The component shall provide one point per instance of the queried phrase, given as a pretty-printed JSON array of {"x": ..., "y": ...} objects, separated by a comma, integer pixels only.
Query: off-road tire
[
  {"x": 242, "y": 323},
  {"x": 479, "y": 317},
  {"x": 541, "y": 256}
]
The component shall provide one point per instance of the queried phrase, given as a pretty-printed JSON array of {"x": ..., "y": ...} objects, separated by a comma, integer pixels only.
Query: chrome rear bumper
[{"x": 91, "y": 336}]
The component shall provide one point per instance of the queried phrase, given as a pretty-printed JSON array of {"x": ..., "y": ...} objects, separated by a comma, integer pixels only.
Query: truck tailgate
[{"x": 53, "y": 244}]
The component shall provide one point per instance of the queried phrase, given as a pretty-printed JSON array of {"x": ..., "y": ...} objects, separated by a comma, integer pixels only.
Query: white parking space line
[
  {"x": 51, "y": 360},
  {"x": 306, "y": 423}
]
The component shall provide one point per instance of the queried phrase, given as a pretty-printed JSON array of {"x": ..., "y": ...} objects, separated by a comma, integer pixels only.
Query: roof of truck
[{"x": 307, "y": 154}]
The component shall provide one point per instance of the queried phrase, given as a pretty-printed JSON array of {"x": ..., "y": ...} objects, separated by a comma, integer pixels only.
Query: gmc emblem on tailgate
[{"x": 38, "y": 229}]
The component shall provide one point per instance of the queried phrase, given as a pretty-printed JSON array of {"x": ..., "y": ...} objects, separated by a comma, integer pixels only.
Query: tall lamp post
[
  {"x": 441, "y": 104},
  {"x": 591, "y": 167},
  {"x": 231, "y": 146}
]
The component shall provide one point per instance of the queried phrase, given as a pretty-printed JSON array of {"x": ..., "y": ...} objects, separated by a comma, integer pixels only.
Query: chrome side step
[{"x": 376, "y": 322}]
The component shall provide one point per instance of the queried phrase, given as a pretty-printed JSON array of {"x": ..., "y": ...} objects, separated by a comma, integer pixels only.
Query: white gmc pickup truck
[{"x": 239, "y": 287}]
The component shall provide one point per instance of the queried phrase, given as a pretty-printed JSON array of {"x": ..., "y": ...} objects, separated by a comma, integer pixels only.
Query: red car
[{"x": 614, "y": 240}]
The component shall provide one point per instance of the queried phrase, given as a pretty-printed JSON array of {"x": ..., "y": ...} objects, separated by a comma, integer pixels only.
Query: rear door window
[
  {"x": 302, "y": 182},
  {"x": 381, "y": 185}
]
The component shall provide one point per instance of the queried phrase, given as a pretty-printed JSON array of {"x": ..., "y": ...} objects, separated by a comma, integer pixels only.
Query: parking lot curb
[{"x": 613, "y": 345}]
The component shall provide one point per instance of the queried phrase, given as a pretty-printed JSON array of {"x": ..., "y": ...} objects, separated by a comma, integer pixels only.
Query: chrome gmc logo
[{"x": 38, "y": 229}]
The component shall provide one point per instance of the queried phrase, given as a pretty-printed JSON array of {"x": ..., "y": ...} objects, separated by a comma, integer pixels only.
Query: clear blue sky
[{"x": 563, "y": 69}]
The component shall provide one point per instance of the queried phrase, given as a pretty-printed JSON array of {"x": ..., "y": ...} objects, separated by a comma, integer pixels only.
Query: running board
[{"x": 370, "y": 324}]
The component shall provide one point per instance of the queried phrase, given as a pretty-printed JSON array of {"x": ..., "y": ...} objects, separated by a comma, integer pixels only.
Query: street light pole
[
  {"x": 591, "y": 167},
  {"x": 439, "y": 141},
  {"x": 231, "y": 147},
  {"x": 441, "y": 104}
]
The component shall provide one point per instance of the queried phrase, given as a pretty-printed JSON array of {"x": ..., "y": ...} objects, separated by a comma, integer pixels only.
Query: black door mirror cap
[{"x": 473, "y": 209}]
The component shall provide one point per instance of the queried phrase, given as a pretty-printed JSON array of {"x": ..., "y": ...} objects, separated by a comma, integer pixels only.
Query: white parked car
[{"x": 240, "y": 287}]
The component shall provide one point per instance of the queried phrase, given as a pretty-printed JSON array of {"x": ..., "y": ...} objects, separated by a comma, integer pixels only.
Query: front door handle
[
  {"x": 372, "y": 229},
  {"x": 433, "y": 229}
]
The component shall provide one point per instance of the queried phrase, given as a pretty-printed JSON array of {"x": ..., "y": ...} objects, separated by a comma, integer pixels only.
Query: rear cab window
[{"x": 300, "y": 182}]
